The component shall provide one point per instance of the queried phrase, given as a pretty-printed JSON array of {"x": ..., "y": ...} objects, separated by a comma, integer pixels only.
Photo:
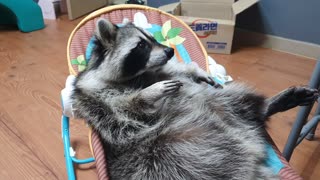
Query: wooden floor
[{"x": 33, "y": 71}]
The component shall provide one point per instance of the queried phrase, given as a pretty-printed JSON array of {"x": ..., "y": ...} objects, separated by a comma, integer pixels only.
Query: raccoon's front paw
[
  {"x": 160, "y": 89},
  {"x": 167, "y": 87},
  {"x": 203, "y": 76},
  {"x": 199, "y": 75},
  {"x": 207, "y": 79}
]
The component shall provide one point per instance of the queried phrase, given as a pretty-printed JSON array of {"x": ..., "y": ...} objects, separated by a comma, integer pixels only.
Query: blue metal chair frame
[
  {"x": 70, "y": 158},
  {"x": 301, "y": 129}
]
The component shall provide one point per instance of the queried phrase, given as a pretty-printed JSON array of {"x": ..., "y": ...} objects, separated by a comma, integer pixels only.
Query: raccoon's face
[{"x": 123, "y": 53}]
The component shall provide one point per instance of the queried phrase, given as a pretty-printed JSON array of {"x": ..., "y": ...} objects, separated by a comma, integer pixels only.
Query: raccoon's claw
[
  {"x": 208, "y": 80},
  {"x": 160, "y": 89},
  {"x": 171, "y": 86},
  {"x": 172, "y": 82}
]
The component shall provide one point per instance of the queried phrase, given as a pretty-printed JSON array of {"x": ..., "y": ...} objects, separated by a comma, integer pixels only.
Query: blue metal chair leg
[
  {"x": 69, "y": 156},
  {"x": 66, "y": 145},
  {"x": 311, "y": 134},
  {"x": 301, "y": 117},
  {"x": 307, "y": 128}
]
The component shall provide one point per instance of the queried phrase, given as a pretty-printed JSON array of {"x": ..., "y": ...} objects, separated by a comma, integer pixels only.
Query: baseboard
[{"x": 299, "y": 48}]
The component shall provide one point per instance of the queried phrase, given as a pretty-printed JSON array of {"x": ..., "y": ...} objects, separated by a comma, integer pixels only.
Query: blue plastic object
[
  {"x": 272, "y": 161},
  {"x": 25, "y": 13},
  {"x": 66, "y": 144}
]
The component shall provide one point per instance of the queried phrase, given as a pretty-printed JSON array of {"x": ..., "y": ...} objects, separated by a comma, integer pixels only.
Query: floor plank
[
  {"x": 33, "y": 71},
  {"x": 18, "y": 156}
]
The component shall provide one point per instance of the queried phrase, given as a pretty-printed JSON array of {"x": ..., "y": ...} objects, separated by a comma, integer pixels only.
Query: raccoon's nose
[{"x": 169, "y": 52}]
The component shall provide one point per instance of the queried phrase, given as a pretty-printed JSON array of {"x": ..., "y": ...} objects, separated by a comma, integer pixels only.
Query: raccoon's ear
[{"x": 105, "y": 31}]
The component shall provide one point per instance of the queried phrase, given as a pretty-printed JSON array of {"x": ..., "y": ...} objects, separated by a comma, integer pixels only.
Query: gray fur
[{"x": 165, "y": 122}]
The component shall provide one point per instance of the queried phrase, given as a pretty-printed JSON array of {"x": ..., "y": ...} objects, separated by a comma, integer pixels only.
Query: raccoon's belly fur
[{"x": 199, "y": 133}]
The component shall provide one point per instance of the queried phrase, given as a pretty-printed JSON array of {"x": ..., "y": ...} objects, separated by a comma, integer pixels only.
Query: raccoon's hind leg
[
  {"x": 237, "y": 103},
  {"x": 252, "y": 107},
  {"x": 290, "y": 98}
]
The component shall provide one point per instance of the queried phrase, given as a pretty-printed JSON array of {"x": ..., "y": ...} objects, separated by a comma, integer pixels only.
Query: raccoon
[{"x": 164, "y": 120}]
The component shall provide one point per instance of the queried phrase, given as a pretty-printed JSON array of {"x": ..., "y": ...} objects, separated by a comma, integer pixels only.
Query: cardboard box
[
  {"x": 78, "y": 8},
  {"x": 212, "y": 20},
  {"x": 50, "y": 8}
]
